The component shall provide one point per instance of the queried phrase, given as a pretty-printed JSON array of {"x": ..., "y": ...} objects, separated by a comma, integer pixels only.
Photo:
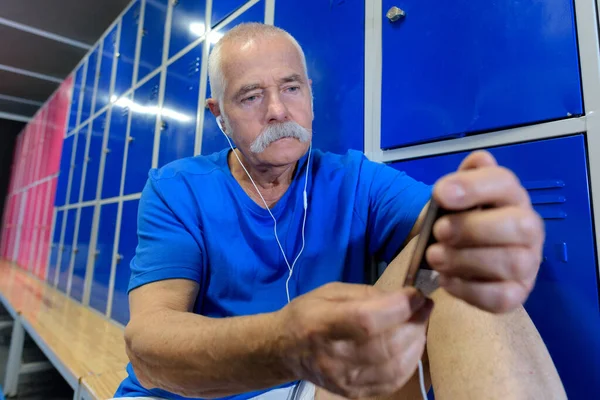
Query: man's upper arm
[
  {"x": 169, "y": 238},
  {"x": 173, "y": 294},
  {"x": 397, "y": 204}
]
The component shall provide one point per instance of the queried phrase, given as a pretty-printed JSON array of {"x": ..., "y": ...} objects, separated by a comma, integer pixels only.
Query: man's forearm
[{"x": 196, "y": 356}]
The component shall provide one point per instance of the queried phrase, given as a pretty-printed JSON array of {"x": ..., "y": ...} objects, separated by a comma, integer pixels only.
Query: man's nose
[{"x": 276, "y": 109}]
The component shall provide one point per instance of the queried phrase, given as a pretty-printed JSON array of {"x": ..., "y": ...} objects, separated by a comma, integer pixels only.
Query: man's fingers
[
  {"x": 507, "y": 226},
  {"x": 478, "y": 159},
  {"x": 382, "y": 348},
  {"x": 482, "y": 186},
  {"x": 485, "y": 263},
  {"x": 495, "y": 297},
  {"x": 365, "y": 318}
]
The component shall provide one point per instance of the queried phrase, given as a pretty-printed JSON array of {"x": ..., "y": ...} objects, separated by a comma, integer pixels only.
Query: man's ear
[{"x": 213, "y": 106}]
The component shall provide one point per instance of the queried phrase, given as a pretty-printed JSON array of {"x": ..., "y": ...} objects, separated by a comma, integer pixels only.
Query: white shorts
[{"x": 302, "y": 391}]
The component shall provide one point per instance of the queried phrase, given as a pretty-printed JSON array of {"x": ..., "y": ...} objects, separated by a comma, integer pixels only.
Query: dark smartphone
[{"x": 418, "y": 266}]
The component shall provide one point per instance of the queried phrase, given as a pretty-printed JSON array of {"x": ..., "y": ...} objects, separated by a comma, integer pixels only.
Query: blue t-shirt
[{"x": 196, "y": 222}]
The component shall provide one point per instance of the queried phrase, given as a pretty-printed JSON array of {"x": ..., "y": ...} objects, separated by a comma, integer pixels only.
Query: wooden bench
[{"x": 87, "y": 349}]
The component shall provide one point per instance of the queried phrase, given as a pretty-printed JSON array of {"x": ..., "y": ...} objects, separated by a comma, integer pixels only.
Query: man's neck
[{"x": 271, "y": 181}]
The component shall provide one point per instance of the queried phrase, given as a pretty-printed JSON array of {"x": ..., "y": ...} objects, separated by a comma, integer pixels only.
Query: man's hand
[
  {"x": 357, "y": 340},
  {"x": 488, "y": 256}
]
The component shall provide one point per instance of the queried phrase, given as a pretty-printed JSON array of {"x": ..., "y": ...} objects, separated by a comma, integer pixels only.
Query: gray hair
[{"x": 242, "y": 33}]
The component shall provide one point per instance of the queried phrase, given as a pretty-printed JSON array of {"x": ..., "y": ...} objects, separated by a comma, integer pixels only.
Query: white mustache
[{"x": 275, "y": 132}]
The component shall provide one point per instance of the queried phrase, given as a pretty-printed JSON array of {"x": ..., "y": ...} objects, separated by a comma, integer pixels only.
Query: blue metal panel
[
  {"x": 78, "y": 165},
  {"x": 143, "y": 122},
  {"x": 90, "y": 82},
  {"x": 63, "y": 173},
  {"x": 223, "y": 8},
  {"x": 127, "y": 43},
  {"x": 460, "y": 67},
  {"x": 335, "y": 66},
  {"x": 96, "y": 136},
  {"x": 187, "y": 24},
  {"x": 77, "y": 82},
  {"x": 67, "y": 251},
  {"x": 115, "y": 148},
  {"x": 564, "y": 304},
  {"x": 212, "y": 138},
  {"x": 82, "y": 251},
  {"x": 106, "y": 66},
  {"x": 103, "y": 257},
  {"x": 127, "y": 246},
  {"x": 152, "y": 36},
  {"x": 55, "y": 248},
  {"x": 180, "y": 107}
]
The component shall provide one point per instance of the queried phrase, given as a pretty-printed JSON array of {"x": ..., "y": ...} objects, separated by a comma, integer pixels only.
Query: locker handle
[
  {"x": 119, "y": 258},
  {"x": 394, "y": 14},
  {"x": 130, "y": 139}
]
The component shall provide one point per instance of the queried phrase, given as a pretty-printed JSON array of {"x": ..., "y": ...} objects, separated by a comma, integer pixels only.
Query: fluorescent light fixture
[
  {"x": 152, "y": 110},
  {"x": 197, "y": 28}
]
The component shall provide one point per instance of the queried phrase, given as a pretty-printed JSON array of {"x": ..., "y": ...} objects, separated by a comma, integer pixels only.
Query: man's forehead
[{"x": 265, "y": 54}]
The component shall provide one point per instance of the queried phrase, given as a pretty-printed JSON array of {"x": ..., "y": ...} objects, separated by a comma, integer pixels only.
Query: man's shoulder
[
  {"x": 329, "y": 160},
  {"x": 189, "y": 166}
]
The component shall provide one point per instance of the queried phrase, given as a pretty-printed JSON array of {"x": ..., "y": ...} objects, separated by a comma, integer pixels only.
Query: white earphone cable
[{"x": 305, "y": 202}]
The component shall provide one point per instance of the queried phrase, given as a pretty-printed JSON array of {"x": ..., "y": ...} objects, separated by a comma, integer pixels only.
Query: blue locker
[
  {"x": 106, "y": 67},
  {"x": 103, "y": 257},
  {"x": 126, "y": 251},
  {"x": 96, "y": 136},
  {"x": 180, "y": 107},
  {"x": 335, "y": 54},
  {"x": 115, "y": 148},
  {"x": 88, "y": 89},
  {"x": 55, "y": 248},
  {"x": 63, "y": 172},
  {"x": 462, "y": 67},
  {"x": 77, "y": 86},
  {"x": 143, "y": 124},
  {"x": 153, "y": 34},
  {"x": 78, "y": 165},
  {"x": 82, "y": 251},
  {"x": 126, "y": 52},
  {"x": 212, "y": 137},
  {"x": 564, "y": 304},
  {"x": 187, "y": 24},
  {"x": 223, "y": 8},
  {"x": 67, "y": 251}
]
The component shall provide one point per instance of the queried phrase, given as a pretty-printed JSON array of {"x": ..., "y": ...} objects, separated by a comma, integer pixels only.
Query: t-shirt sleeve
[
  {"x": 167, "y": 248},
  {"x": 395, "y": 203}
]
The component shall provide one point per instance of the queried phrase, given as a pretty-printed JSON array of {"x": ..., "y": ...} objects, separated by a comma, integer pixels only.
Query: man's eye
[
  {"x": 249, "y": 99},
  {"x": 293, "y": 89}
]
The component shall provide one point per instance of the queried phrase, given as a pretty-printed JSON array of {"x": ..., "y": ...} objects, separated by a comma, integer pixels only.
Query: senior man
[{"x": 249, "y": 282}]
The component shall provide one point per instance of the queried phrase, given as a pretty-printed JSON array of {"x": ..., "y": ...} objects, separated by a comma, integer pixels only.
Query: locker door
[
  {"x": 115, "y": 148},
  {"x": 564, "y": 304},
  {"x": 212, "y": 137},
  {"x": 103, "y": 257},
  {"x": 67, "y": 251},
  {"x": 106, "y": 67},
  {"x": 126, "y": 52},
  {"x": 153, "y": 34},
  {"x": 78, "y": 165},
  {"x": 88, "y": 89},
  {"x": 141, "y": 143},
  {"x": 77, "y": 87},
  {"x": 180, "y": 107},
  {"x": 461, "y": 67},
  {"x": 223, "y": 8},
  {"x": 55, "y": 248},
  {"x": 96, "y": 136},
  {"x": 126, "y": 251},
  {"x": 334, "y": 50},
  {"x": 63, "y": 173},
  {"x": 187, "y": 24},
  {"x": 81, "y": 252}
]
